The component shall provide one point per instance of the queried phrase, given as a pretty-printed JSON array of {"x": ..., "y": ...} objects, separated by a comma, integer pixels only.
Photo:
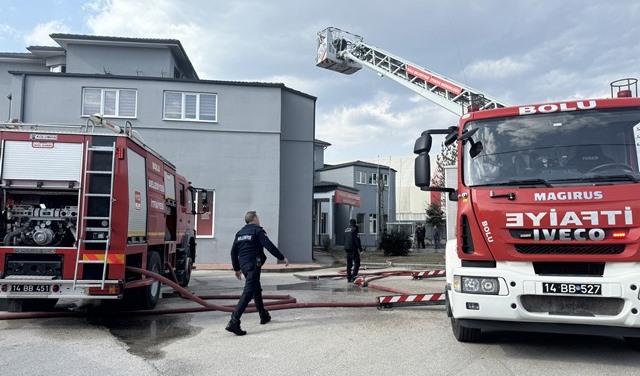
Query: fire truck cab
[{"x": 547, "y": 218}]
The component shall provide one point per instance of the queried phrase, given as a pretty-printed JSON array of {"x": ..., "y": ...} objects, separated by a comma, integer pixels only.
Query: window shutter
[{"x": 208, "y": 107}]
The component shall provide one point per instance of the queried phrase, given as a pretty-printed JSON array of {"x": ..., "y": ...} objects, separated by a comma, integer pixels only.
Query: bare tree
[{"x": 447, "y": 157}]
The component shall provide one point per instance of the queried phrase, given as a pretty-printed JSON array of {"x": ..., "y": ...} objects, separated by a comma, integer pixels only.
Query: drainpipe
[
  {"x": 9, "y": 97},
  {"x": 22, "y": 96}
]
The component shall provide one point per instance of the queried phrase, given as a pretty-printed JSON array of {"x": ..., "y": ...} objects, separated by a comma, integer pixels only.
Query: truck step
[
  {"x": 95, "y": 172},
  {"x": 97, "y": 229}
]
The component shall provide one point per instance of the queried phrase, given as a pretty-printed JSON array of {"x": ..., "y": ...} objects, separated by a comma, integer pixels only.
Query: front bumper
[
  {"x": 43, "y": 287},
  {"x": 522, "y": 299}
]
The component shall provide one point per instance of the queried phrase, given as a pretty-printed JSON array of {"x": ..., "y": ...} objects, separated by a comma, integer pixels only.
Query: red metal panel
[
  {"x": 348, "y": 198},
  {"x": 156, "y": 204}
]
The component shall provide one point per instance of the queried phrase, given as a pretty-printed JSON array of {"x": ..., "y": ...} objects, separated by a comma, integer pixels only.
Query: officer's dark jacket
[
  {"x": 352, "y": 239},
  {"x": 248, "y": 247}
]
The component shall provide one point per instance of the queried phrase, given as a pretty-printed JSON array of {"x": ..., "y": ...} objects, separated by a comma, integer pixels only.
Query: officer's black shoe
[
  {"x": 234, "y": 327},
  {"x": 265, "y": 318}
]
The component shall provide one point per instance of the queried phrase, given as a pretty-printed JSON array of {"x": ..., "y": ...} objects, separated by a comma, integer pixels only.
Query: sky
[{"x": 519, "y": 52}]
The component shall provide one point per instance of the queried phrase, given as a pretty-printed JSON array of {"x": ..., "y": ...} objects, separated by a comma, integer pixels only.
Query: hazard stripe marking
[
  {"x": 112, "y": 259},
  {"x": 410, "y": 298},
  {"x": 429, "y": 273}
]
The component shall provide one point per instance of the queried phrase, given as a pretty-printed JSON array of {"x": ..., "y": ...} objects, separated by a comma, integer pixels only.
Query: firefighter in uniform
[{"x": 247, "y": 257}]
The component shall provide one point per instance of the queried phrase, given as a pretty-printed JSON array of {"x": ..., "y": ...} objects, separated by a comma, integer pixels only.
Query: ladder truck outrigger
[
  {"x": 545, "y": 207},
  {"x": 80, "y": 206}
]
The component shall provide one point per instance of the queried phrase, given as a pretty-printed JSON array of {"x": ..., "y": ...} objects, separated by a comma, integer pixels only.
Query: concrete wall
[
  {"x": 296, "y": 175},
  {"x": 7, "y": 79},
  {"x": 119, "y": 60},
  {"x": 344, "y": 176}
]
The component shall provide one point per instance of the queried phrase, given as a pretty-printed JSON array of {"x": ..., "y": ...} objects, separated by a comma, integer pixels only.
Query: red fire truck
[
  {"x": 547, "y": 225},
  {"x": 79, "y": 205}
]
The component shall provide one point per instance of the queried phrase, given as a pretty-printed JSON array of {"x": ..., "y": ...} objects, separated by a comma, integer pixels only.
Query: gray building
[
  {"x": 360, "y": 190},
  {"x": 251, "y": 143}
]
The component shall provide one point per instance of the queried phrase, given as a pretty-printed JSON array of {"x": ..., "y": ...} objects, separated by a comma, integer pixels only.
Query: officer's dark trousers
[
  {"x": 353, "y": 260},
  {"x": 252, "y": 290}
]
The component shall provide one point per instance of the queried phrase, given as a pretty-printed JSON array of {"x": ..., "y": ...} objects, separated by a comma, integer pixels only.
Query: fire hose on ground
[{"x": 278, "y": 302}]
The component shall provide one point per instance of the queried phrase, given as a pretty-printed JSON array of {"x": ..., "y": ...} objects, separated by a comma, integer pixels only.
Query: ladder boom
[{"x": 346, "y": 53}]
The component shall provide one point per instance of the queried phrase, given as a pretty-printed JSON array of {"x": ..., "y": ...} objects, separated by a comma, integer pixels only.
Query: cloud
[
  {"x": 163, "y": 19},
  {"x": 39, "y": 36},
  {"x": 378, "y": 127},
  {"x": 7, "y": 32},
  {"x": 306, "y": 85},
  {"x": 501, "y": 68}
]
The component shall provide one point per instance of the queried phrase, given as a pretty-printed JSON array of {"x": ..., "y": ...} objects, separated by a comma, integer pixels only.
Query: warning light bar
[{"x": 619, "y": 235}]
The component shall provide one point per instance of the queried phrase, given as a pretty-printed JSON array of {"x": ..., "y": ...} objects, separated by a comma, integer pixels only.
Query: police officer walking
[
  {"x": 353, "y": 247},
  {"x": 247, "y": 257}
]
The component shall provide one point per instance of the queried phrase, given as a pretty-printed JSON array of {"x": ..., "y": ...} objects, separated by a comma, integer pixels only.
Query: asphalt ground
[{"x": 404, "y": 340}]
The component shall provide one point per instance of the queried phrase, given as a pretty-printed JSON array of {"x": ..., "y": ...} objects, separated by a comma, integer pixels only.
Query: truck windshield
[{"x": 553, "y": 149}]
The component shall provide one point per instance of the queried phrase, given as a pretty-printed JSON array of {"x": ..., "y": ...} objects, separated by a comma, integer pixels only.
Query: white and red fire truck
[
  {"x": 79, "y": 205},
  {"x": 547, "y": 225},
  {"x": 544, "y": 205}
]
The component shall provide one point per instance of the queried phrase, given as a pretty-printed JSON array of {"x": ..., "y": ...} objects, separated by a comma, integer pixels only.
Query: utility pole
[{"x": 380, "y": 213}]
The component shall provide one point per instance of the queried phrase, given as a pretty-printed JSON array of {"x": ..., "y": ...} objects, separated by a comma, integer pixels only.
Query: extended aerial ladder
[{"x": 346, "y": 53}]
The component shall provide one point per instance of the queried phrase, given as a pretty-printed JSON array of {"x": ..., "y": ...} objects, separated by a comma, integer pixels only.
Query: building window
[
  {"x": 119, "y": 103},
  {"x": 372, "y": 178},
  {"x": 323, "y": 222},
  {"x": 190, "y": 106},
  {"x": 373, "y": 224},
  {"x": 360, "y": 222},
  {"x": 182, "y": 201},
  {"x": 361, "y": 177}
]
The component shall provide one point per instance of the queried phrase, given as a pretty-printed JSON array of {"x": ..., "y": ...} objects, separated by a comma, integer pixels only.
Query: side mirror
[
  {"x": 422, "y": 170},
  {"x": 423, "y": 144}
]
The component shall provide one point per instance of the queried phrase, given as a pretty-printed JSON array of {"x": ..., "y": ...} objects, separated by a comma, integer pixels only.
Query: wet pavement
[
  {"x": 147, "y": 336},
  {"x": 315, "y": 341},
  {"x": 321, "y": 259}
]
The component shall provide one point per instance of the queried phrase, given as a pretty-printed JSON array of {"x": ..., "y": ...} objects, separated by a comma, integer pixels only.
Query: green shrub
[
  {"x": 395, "y": 243},
  {"x": 326, "y": 244}
]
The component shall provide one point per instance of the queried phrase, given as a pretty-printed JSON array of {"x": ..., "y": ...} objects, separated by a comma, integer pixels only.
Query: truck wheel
[
  {"x": 463, "y": 333},
  {"x": 183, "y": 266},
  {"x": 151, "y": 293}
]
